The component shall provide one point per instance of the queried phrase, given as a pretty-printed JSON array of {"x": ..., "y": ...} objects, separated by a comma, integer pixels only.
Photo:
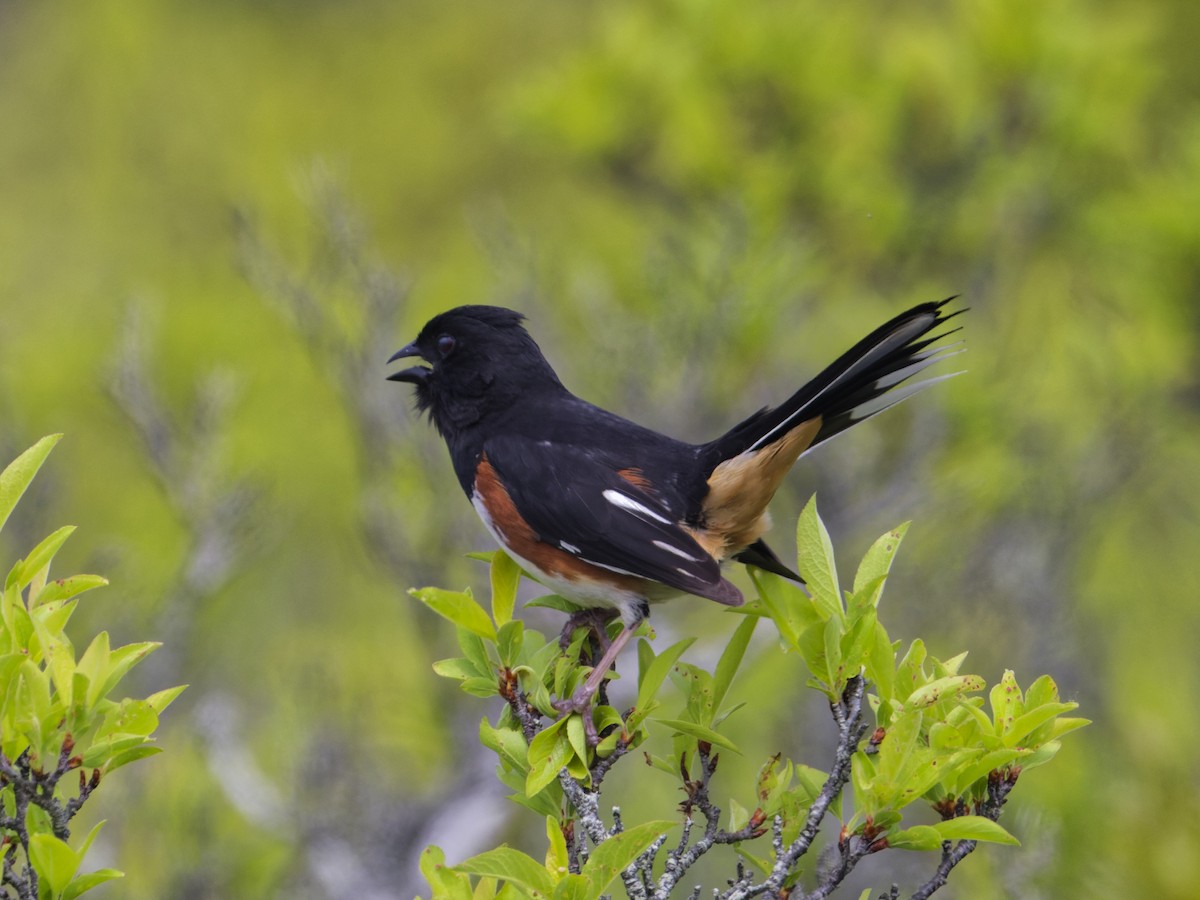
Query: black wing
[{"x": 575, "y": 499}]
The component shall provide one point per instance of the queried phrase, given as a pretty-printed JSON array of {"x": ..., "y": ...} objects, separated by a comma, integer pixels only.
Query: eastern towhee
[{"x": 615, "y": 516}]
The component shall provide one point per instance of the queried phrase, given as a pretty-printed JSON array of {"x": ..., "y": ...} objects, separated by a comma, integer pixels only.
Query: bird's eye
[{"x": 445, "y": 345}]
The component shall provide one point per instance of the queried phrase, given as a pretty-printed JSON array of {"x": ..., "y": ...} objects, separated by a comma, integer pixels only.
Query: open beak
[{"x": 413, "y": 375}]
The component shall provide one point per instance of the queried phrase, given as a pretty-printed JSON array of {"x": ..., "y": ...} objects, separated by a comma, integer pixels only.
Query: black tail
[{"x": 863, "y": 381}]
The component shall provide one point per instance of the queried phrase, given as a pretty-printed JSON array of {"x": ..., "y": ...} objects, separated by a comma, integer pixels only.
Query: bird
[{"x": 613, "y": 515}]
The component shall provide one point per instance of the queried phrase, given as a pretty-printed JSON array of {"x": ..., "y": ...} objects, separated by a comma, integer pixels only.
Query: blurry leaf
[
  {"x": 447, "y": 884},
  {"x": 66, "y": 588},
  {"x": 574, "y": 887},
  {"x": 815, "y": 562},
  {"x": 131, "y": 755},
  {"x": 510, "y": 865},
  {"x": 738, "y": 815},
  {"x": 54, "y": 861},
  {"x": 459, "y": 607},
  {"x": 40, "y": 557},
  {"x": 945, "y": 737},
  {"x": 20, "y": 472},
  {"x": 974, "y": 828},
  {"x": 614, "y": 855},
  {"x": 881, "y": 661},
  {"x": 650, "y": 679},
  {"x": 90, "y": 839},
  {"x": 699, "y": 732},
  {"x": 832, "y": 635},
  {"x": 86, "y": 882},
  {"x": 505, "y": 576},
  {"x": 120, "y": 661},
  {"x": 556, "y": 849},
  {"x": 919, "y": 837},
  {"x": 457, "y": 667},
  {"x": 480, "y": 687},
  {"x": 812, "y": 650},
  {"x": 1064, "y": 725},
  {"x": 731, "y": 658}
]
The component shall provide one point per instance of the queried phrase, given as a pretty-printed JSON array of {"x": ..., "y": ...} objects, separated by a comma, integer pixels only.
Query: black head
[{"x": 481, "y": 361}]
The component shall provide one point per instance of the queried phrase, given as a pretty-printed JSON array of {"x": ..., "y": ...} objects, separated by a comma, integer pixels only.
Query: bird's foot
[
  {"x": 580, "y": 702},
  {"x": 596, "y": 619}
]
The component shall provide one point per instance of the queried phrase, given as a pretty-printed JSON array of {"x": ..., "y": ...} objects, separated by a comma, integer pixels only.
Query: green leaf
[
  {"x": 39, "y": 557},
  {"x": 919, "y": 837},
  {"x": 789, "y": 607},
  {"x": 577, "y": 738},
  {"x": 512, "y": 866},
  {"x": 878, "y": 562},
  {"x": 475, "y": 650},
  {"x": 447, "y": 884},
  {"x": 556, "y": 849},
  {"x": 505, "y": 575},
  {"x": 509, "y": 640},
  {"x": 699, "y": 732},
  {"x": 90, "y": 880},
  {"x": 574, "y": 887},
  {"x": 881, "y": 662},
  {"x": 507, "y": 743},
  {"x": 120, "y": 661},
  {"x": 458, "y": 667},
  {"x": 943, "y": 689},
  {"x": 54, "y": 861},
  {"x": 20, "y": 472},
  {"x": 975, "y": 828},
  {"x": 132, "y": 755},
  {"x": 1026, "y": 724},
  {"x": 731, "y": 658},
  {"x": 614, "y": 855},
  {"x": 549, "y": 752},
  {"x": 816, "y": 562},
  {"x": 651, "y": 677},
  {"x": 832, "y": 636},
  {"x": 1064, "y": 725},
  {"x": 554, "y": 601},
  {"x": 1006, "y": 703},
  {"x": 459, "y": 607}
]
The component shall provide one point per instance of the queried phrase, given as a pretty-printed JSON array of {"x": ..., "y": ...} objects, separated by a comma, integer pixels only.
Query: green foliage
[
  {"x": 933, "y": 741},
  {"x": 692, "y": 199},
  {"x": 58, "y": 713}
]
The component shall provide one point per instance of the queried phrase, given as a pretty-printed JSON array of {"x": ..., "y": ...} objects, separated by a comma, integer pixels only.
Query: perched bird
[{"x": 610, "y": 514}]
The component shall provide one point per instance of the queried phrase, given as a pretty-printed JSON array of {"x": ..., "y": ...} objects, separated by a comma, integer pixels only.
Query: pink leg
[{"x": 581, "y": 701}]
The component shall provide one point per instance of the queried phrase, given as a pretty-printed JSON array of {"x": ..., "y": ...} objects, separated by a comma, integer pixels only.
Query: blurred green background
[{"x": 218, "y": 219}]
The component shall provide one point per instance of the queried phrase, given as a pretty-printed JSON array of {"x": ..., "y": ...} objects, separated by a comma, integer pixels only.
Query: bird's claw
[{"x": 580, "y": 702}]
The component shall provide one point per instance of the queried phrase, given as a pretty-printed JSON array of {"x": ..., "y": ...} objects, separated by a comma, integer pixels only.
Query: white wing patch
[
  {"x": 627, "y": 503},
  {"x": 663, "y": 545}
]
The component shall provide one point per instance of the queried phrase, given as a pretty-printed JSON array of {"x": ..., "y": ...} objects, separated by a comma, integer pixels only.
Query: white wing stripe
[
  {"x": 627, "y": 503},
  {"x": 663, "y": 545}
]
